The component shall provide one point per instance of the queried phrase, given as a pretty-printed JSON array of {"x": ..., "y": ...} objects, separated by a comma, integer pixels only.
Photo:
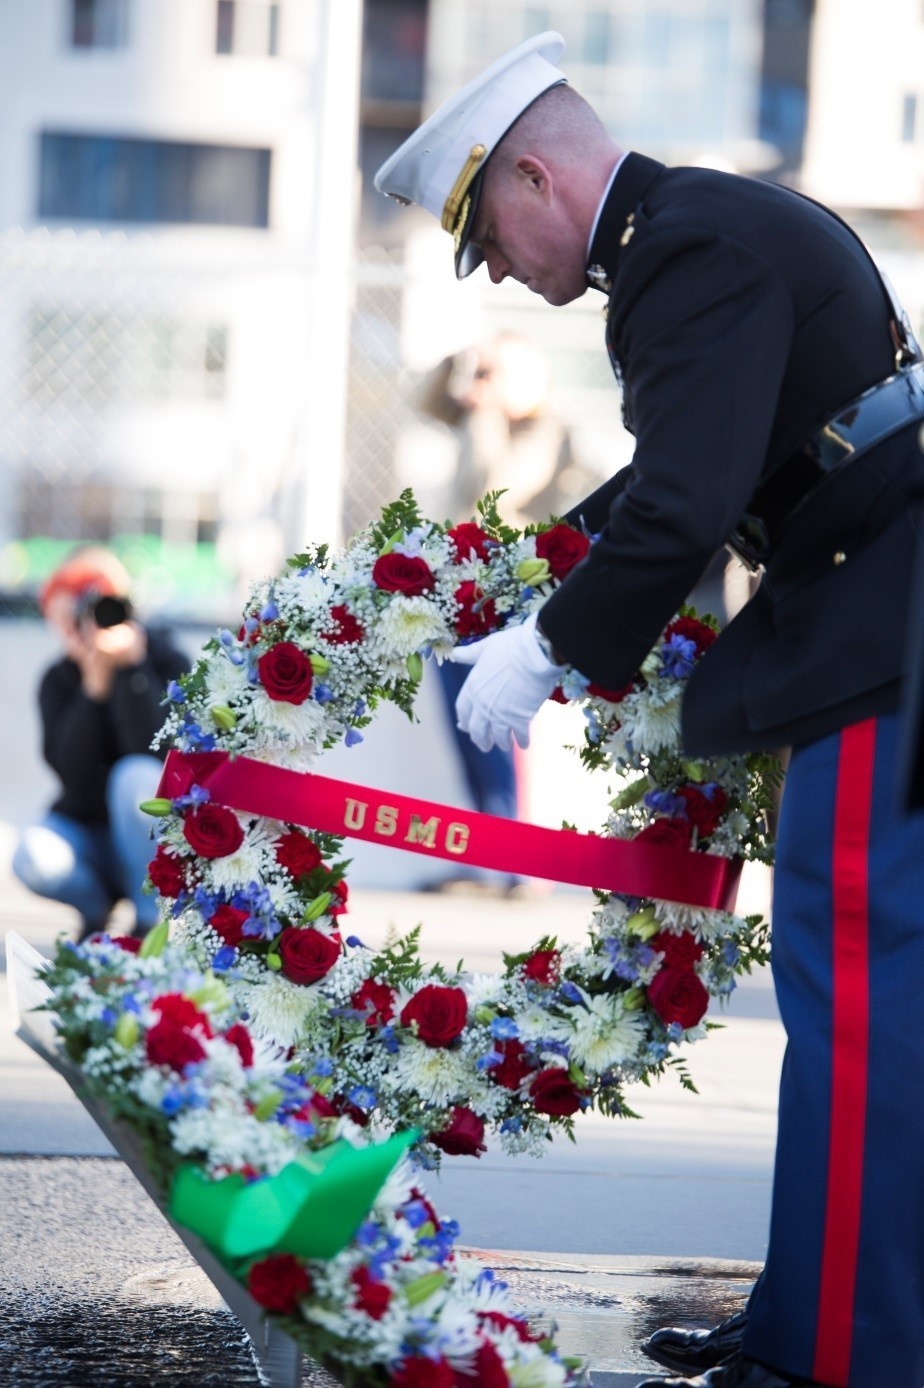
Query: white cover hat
[{"x": 440, "y": 167}]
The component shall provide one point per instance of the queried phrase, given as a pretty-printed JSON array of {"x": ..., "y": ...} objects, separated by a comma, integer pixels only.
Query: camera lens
[{"x": 110, "y": 612}]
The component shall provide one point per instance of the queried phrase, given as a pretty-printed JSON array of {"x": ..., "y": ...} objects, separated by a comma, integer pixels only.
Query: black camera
[{"x": 102, "y": 609}]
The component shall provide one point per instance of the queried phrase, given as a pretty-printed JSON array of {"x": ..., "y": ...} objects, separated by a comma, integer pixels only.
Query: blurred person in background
[
  {"x": 496, "y": 398},
  {"x": 776, "y": 393},
  {"x": 100, "y": 705}
]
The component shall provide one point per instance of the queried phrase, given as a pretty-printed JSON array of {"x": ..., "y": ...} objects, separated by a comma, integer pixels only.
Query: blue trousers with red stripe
[{"x": 841, "y": 1300}]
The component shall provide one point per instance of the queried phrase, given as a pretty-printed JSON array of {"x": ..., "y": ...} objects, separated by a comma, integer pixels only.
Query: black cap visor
[{"x": 467, "y": 256}]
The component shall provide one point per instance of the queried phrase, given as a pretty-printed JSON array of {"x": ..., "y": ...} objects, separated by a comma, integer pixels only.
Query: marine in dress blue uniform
[{"x": 776, "y": 401}]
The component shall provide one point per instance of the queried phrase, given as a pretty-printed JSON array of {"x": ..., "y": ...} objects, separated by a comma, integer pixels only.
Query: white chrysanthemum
[
  {"x": 675, "y": 918},
  {"x": 437, "y": 1075},
  {"x": 276, "y": 1008},
  {"x": 305, "y": 722},
  {"x": 231, "y": 1139},
  {"x": 225, "y": 681},
  {"x": 306, "y": 594},
  {"x": 542, "y": 1372},
  {"x": 604, "y": 1034},
  {"x": 651, "y": 719},
  {"x": 536, "y": 1024},
  {"x": 489, "y": 989},
  {"x": 456, "y": 1331},
  {"x": 407, "y": 625}
]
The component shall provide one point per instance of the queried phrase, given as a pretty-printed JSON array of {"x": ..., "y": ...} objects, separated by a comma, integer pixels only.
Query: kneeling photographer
[{"x": 100, "y": 706}]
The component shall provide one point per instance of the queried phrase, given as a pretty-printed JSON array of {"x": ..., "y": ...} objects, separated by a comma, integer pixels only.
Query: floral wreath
[
  {"x": 248, "y": 1042},
  {"x": 260, "y": 901}
]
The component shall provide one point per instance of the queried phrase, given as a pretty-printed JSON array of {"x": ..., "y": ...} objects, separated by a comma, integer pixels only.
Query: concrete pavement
[{"x": 636, "y": 1225}]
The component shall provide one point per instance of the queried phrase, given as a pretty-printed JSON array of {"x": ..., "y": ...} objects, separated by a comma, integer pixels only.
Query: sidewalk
[{"x": 636, "y": 1226}]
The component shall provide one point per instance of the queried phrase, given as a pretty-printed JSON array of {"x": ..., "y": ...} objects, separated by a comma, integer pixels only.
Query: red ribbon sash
[{"x": 443, "y": 831}]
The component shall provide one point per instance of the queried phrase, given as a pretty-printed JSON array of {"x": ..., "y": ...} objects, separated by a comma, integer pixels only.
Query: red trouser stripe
[{"x": 850, "y": 1040}]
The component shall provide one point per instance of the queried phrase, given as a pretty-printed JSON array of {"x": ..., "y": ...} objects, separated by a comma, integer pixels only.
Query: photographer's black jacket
[
  {"x": 83, "y": 738},
  {"x": 741, "y": 317}
]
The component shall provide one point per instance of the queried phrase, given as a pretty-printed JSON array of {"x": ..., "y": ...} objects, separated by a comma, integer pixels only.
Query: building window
[
  {"x": 99, "y": 23},
  {"x": 247, "y": 28},
  {"x": 83, "y": 359},
  {"x": 109, "y": 178},
  {"x": 909, "y": 118}
]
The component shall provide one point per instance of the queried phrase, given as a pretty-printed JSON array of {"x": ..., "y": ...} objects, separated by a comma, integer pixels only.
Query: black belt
[{"x": 873, "y": 416}]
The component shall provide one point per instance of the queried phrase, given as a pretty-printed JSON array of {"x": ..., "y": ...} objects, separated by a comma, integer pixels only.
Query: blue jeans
[{"x": 92, "y": 866}]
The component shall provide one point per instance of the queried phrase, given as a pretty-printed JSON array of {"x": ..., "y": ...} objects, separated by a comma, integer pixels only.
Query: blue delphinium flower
[
  {"x": 362, "y": 1096},
  {"x": 664, "y": 802},
  {"x": 269, "y": 612},
  {"x": 504, "y": 1029},
  {"x": 488, "y": 1061},
  {"x": 223, "y": 959},
  {"x": 192, "y": 738},
  {"x": 352, "y": 737},
  {"x": 175, "y": 693},
  {"x": 678, "y": 657}
]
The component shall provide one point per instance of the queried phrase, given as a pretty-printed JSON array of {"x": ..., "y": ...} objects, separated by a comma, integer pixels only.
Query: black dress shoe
[
  {"x": 693, "y": 1350},
  {"x": 743, "y": 1373}
]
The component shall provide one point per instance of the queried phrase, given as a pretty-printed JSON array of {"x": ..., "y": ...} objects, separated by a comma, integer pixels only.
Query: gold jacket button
[{"x": 840, "y": 557}]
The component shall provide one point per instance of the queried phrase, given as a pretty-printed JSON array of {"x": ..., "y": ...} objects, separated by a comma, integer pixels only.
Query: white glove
[{"x": 511, "y": 679}]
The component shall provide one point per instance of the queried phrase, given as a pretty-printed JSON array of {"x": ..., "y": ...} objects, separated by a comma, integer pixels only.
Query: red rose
[
  {"x": 514, "y": 1067},
  {"x": 468, "y": 538},
  {"x": 463, "y": 1135},
  {"x": 561, "y": 548},
  {"x": 612, "y": 696},
  {"x": 167, "y": 872},
  {"x": 704, "y": 811},
  {"x": 502, "y": 1322},
  {"x": 239, "y": 1037},
  {"x": 670, "y": 833},
  {"x": 680, "y": 951},
  {"x": 377, "y": 1000},
  {"x": 439, "y": 1012},
  {"x": 677, "y": 995},
  {"x": 477, "y": 615},
  {"x": 175, "y": 1008},
  {"x": 543, "y": 966},
  {"x": 297, "y": 853},
  {"x": 402, "y": 573},
  {"x": 489, "y": 1371},
  {"x": 554, "y": 1092},
  {"x": 371, "y": 1296},
  {"x": 278, "y": 1283},
  {"x": 347, "y": 630},
  {"x": 130, "y": 943},
  {"x": 423, "y": 1373},
  {"x": 213, "y": 831},
  {"x": 341, "y": 1104},
  {"x": 169, "y": 1044},
  {"x": 307, "y": 954},
  {"x": 285, "y": 673},
  {"x": 693, "y": 630},
  {"x": 228, "y": 922},
  {"x": 315, "y": 1110}
]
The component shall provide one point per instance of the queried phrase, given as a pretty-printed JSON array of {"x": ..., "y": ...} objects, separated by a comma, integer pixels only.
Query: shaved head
[{"x": 562, "y": 127}]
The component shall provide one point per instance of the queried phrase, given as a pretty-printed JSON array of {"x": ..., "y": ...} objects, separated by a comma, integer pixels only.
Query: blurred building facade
[
  {"x": 210, "y": 322},
  {"x": 176, "y": 193}
]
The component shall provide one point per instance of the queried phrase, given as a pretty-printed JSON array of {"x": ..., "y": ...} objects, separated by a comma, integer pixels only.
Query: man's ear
[{"x": 535, "y": 174}]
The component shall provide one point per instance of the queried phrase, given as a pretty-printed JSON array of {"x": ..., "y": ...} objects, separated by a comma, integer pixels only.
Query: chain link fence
[{"x": 156, "y": 396}]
